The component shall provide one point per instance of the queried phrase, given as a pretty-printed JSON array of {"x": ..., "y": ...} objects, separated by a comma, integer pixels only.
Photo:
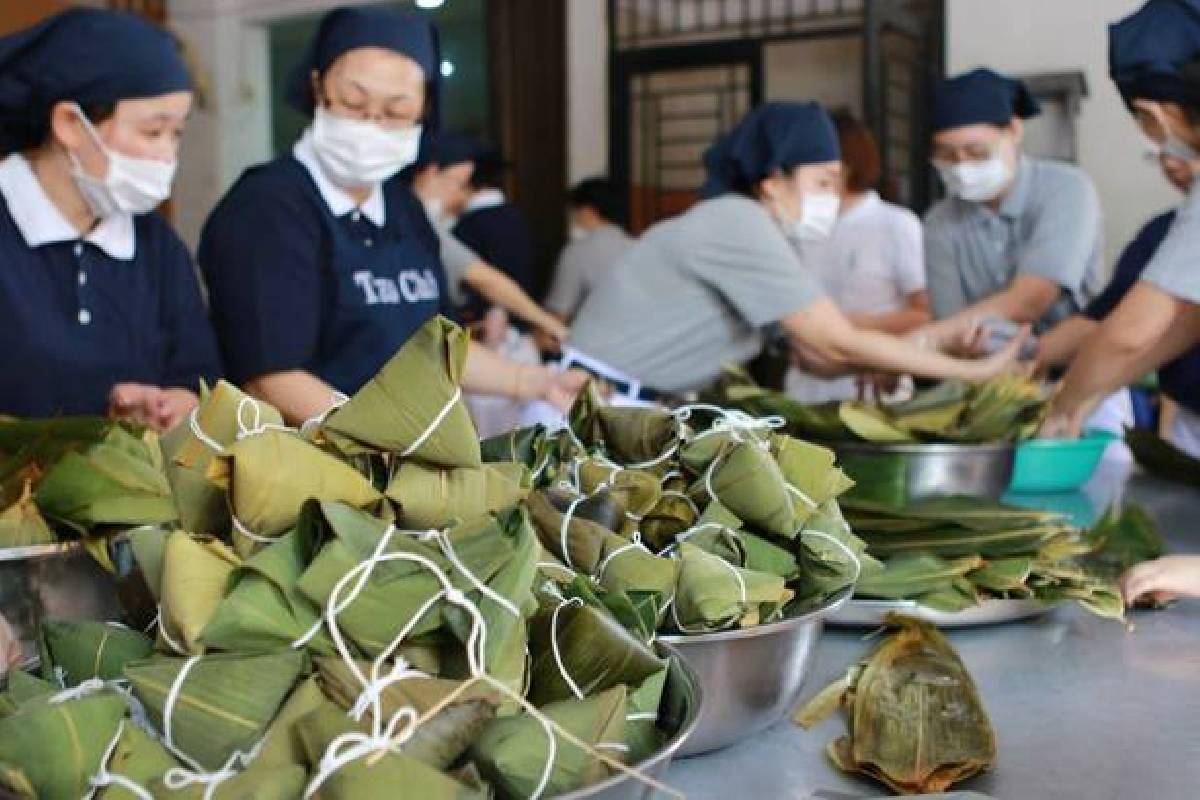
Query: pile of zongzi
[
  {"x": 705, "y": 518},
  {"x": 952, "y": 553},
  {"x": 915, "y": 718},
  {"x": 377, "y": 606},
  {"x": 1007, "y": 408}
]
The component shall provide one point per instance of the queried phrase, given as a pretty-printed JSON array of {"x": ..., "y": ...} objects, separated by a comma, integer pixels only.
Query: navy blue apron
[{"x": 381, "y": 292}]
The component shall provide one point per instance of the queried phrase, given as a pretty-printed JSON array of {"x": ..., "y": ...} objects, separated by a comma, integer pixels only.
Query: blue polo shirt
[
  {"x": 302, "y": 278},
  {"x": 1179, "y": 379},
  {"x": 79, "y": 314}
]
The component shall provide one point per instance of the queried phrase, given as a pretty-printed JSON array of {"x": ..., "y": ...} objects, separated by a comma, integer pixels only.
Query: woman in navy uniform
[
  {"x": 322, "y": 263},
  {"x": 100, "y": 307}
]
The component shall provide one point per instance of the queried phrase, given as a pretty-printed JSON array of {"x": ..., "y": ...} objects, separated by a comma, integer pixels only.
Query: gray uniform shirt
[
  {"x": 693, "y": 293},
  {"x": 456, "y": 257},
  {"x": 1175, "y": 266},
  {"x": 1049, "y": 225},
  {"x": 582, "y": 265}
]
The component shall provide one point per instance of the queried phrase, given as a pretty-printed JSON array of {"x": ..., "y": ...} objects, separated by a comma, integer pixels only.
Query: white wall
[
  {"x": 1027, "y": 36},
  {"x": 587, "y": 89}
]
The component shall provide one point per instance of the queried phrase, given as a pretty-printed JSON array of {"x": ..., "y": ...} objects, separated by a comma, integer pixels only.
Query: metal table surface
[{"x": 1082, "y": 707}]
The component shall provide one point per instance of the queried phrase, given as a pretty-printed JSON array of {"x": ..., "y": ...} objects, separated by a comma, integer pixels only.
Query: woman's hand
[
  {"x": 1005, "y": 360},
  {"x": 152, "y": 406},
  {"x": 1163, "y": 580},
  {"x": 174, "y": 407},
  {"x": 561, "y": 388}
]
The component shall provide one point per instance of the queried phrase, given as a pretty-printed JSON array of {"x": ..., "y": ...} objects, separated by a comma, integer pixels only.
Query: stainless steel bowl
[
  {"x": 679, "y": 713},
  {"x": 752, "y": 677},
  {"x": 55, "y": 581},
  {"x": 975, "y": 470}
]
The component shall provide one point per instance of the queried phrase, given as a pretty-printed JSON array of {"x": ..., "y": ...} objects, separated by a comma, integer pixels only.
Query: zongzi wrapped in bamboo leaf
[
  {"x": 73, "y": 652},
  {"x": 713, "y": 594},
  {"x": 426, "y": 418},
  {"x": 137, "y": 757},
  {"x": 915, "y": 718},
  {"x": 269, "y": 477},
  {"x": 430, "y": 497},
  {"x": 117, "y": 481},
  {"x": 188, "y": 450},
  {"x": 263, "y": 609},
  {"x": 221, "y": 704},
  {"x": 513, "y": 751},
  {"x": 579, "y": 650},
  {"x": 195, "y": 577},
  {"x": 22, "y": 525},
  {"x": 750, "y": 484},
  {"x": 440, "y": 740},
  {"x": 34, "y": 741}
]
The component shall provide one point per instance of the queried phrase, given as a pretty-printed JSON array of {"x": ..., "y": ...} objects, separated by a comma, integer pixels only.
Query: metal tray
[
  {"x": 750, "y": 677},
  {"x": 52, "y": 581},
  {"x": 974, "y": 470},
  {"x": 860, "y": 613}
]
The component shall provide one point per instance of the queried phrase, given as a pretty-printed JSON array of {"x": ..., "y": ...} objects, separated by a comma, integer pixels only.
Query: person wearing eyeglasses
[
  {"x": 1018, "y": 237},
  {"x": 322, "y": 263}
]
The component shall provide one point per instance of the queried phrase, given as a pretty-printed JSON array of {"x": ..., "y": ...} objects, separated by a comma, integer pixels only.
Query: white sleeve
[{"x": 909, "y": 251}]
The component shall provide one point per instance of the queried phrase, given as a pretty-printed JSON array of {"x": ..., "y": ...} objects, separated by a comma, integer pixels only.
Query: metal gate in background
[{"x": 684, "y": 71}]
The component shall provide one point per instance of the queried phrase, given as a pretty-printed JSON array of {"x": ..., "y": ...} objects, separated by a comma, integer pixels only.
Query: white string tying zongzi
[
  {"x": 242, "y": 530},
  {"x": 558, "y": 661},
  {"x": 193, "y": 773},
  {"x": 198, "y": 432},
  {"x": 447, "y": 547},
  {"x": 433, "y": 426},
  {"x": 257, "y": 425},
  {"x": 104, "y": 778},
  {"x": 179, "y": 778},
  {"x": 642, "y": 716},
  {"x": 666, "y": 455},
  {"x": 337, "y": 400},
  {"x": 808, "y": 501},
  {"x": 166, "y": 637},
  {"x": 854, "y": 559},
  {"x": 564, "y": 530},
  {"x": 634, "y": 544},
  {"x": 388, "y": 736}
]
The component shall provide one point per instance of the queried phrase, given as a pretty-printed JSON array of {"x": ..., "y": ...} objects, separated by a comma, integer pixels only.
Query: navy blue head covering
[
  {"x": 450, "y": 148},
  {"x": 345, "y": 29},
  {"x": 1147, "y": 50},
  {"x": 774, "y": 136},
  {"x": 981, "y": 97},
  {"x": 91, "y": 56}
]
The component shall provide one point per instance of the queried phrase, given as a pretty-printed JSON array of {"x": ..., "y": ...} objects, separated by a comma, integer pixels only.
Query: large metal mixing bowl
[{"x": 931, "y": 470}]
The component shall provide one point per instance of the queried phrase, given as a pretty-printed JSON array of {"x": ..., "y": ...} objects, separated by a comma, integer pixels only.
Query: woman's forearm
[
  {"x": 1147, "y": 329},
  {"x": 839, "y": 346},
  {"x": 894, "y": 322},
  {"x": 299, "y": 395},
  {"x": 488, "y": 372},
  {"x": 1058, "y": 346}
]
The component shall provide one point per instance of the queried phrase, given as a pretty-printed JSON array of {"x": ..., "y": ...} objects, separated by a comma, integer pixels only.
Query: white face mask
[
  {"x": 355, "y": 153},
  {"x": 578, "y": 233},
  {"x": 976, "y": 181},
  {"x": 818, "y": 216},
  {"x": 129, "y": 186}
]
